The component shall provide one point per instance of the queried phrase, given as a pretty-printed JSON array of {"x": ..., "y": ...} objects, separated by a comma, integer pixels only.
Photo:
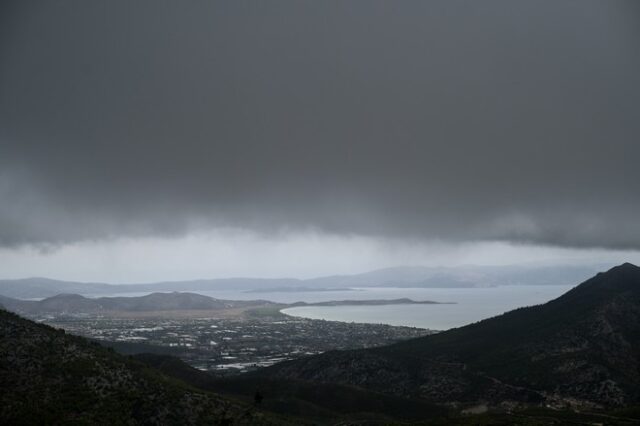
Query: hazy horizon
[{"x": 598, "y": 265}]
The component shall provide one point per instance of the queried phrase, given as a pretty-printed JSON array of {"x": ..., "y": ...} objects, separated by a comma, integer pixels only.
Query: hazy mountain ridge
[
  {"x": 580, "y": 349},
  {"x": 410, "y": 276},
  {"x": 34, "y": 288},
  {"x": 75, "y": 303}
]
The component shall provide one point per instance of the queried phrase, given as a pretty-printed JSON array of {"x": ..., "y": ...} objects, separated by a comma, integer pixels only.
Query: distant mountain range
[
  {"x": 579, "y": 350},
  {"x": 417, "y": 276}
]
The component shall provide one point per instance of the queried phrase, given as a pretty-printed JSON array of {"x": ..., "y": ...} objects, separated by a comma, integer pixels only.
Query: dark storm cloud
[{"x": 459, "y": 120}]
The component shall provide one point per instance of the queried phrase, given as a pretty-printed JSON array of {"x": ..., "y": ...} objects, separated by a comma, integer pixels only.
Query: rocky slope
[
  {"x": 49, "y": 377},
  {"x": 580, "y": 350}
]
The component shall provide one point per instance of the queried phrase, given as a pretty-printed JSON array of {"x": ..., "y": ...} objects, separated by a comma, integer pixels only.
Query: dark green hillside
[
  {"x": 332, "y": 404},
  {"x": 313, "y": 401},
  {"x": 49, "y": 377},
  {"x": 582, "y": 349}
]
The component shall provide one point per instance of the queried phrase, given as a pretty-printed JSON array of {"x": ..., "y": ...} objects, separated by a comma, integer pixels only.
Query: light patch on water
[{"x": 470, "y": 305}]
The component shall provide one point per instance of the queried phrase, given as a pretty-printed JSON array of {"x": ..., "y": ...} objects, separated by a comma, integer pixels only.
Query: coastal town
[{"x": 230, "y": 346}]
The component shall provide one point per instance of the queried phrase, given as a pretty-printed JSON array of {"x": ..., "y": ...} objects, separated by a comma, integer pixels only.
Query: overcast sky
[{"x": 147, "y": 139}]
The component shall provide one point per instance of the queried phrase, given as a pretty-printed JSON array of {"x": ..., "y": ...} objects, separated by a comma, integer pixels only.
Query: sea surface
[
  {"x": 468, "y": 306},
  {"x": 465, "y": 305}
]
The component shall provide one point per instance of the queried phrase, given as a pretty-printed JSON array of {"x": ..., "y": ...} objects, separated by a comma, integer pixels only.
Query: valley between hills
[{"x": 573, "y": 360}]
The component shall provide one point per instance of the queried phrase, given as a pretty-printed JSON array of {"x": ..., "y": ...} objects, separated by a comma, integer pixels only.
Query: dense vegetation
[{"x": 329, "y": 404}]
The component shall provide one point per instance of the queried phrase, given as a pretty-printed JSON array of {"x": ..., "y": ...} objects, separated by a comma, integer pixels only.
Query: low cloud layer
[{"x": 458, "y": 121}]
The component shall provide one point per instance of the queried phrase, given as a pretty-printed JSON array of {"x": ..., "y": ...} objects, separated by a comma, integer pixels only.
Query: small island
[{"x": 373, "y": 302}]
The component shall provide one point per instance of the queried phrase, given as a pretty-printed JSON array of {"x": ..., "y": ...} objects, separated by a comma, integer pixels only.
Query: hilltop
[{"x": 155, "y": 303}]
